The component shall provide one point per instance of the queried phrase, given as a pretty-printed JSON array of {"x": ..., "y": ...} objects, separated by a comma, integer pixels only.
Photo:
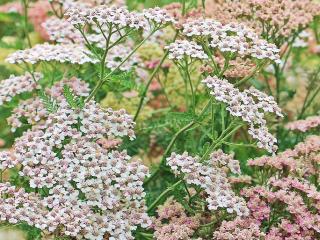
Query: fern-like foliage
[
  {"x": 74, "y": 101},
  {"x": 49, "y": 103}
]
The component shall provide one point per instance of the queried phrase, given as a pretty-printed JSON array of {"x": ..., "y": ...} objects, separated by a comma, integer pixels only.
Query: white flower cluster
[
  {"x": 7, "y": 160},
  {"x": 93, "y": 192},
  {"x": 61, "y": 31},
  {"x": 15, "y": 85},
  {"x": 264, "y": 101},
  {"x": 247, "y": 105},
  {"x": 232, "y": 38},
  {"x": 184, "y": 48},
  {"x": 33, "y": 110},
  {"x": 117, "y": 54},
  {"x": 212, "y": 178},
  {"x": 72, "y": 53},
  {"x": 158, "y": 15},
  {"x": 119, "y": 16}
]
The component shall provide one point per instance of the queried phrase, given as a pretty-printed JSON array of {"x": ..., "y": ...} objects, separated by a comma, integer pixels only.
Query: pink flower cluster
[
  {"x": 303, "y": 159},
  {"x": 296, "y": 218},
  {"x": 212, "y": 178},
  {"x": 251, "y": 105},
  {"x": 277, "y": 17},
  {"x": 16, "y": 85},
  {"x": 61, "y": 31},
  {"x": 173, "y": 223},
  {"x": 72, "y": 53},
  {"x": 232, "y": 38},
  {"x": 238, "y": 229},
  {"x": 33, "y": 110},
  {"x": 180, "y": 49},
  {"x": 304, "y": 125},
  {"x": 90, "y": 192}
]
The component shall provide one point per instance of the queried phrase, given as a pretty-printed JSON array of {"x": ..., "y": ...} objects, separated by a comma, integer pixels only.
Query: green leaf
[
  {"x": 49, "y": 103},
  {"x": 74, "y": 101},
  {"x": 179, "y": 118}
]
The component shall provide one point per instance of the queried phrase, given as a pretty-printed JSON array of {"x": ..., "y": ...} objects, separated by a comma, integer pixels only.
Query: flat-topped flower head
[
  {"x": 270, "y": 18},
  {"x": 92, "y": 191},
  {"x": 180, "y": 49},
  {"x": 232, "y": 38},
  {"x": 250, "y": 105},
  {"x": 101, "y": 15},
  {"x": 212, "y": 178},
  {"x": 304, "y": 125},
  {"x": 62, "y": 31},
  {"x": 16, "y": 85},
  {"x": 71, "y": 53},
  {"x": 158, "y": 16}
]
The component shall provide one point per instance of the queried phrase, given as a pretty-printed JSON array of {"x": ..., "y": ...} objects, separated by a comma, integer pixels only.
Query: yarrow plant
[{"x": 170, "y": 123}]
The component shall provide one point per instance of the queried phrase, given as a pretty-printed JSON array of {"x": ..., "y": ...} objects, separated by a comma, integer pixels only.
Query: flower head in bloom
[
  {"x": 184, "y": 48},
  {"x": 118, "y": 16},
  {"x": 302, "y": 160},
  {"x": 240, "y": 229},
  {"x": 16, "y": 85},
  {"x": 212, "y": 178},
  {"x": 93, "y": 192},
  {"x": 7, "y": 160},
  {"x": 173, "y": 223},
  {"x": 33, "y": 110},
  {"x": 304, "y": 125},
  {"x": 158, "y": 15},
  {"x": 283, "y": 17},
  {"x": 61, "y": 31},
  {"x": 72, "y": 53},
  {"x": 251, "y": 105},
  {"x": 298, "y": 216},
  {"x": 232, "y": 38}
]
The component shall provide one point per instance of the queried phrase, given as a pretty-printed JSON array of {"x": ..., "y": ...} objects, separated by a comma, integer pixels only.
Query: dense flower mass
[
  {"x": 183, "y": 48},
  {"x": 62, "y": 155},
  {"x": 173, "y": 223},
  {"x": 33, "y": 110},
  {"x": 158, "y": 15},
  {"x": 62, "y": 31},
  {"x": 250, "y": 105},
  {"x": 240, "y": 229},
  {"x": 202, "y": 83},
  {"x": 300, "y": 219},
  {"x": 304, "y": 125},
  {"x": 211, "y": 178},
  {"x": 119, "y": 16},
  {"x": 271, "y": 18},
  {"x": 303, "y": 159},
  {"x": 232, "y": 38},
  {"x": 64, "y": 53},
  {"x": 16, "y": 85}
]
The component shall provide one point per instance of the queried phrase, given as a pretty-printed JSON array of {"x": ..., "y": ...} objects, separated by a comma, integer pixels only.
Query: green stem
[
  {"x": 172, "y": 142},
  {"x": 155, "y": 71},
  {"x": 220, "y": 140},
  {"x": 163, "y": 195},
  {"x": 132, "y": 52},
  {"x": 25, "y": 5},
  {"x": 102, "y": 64},
  {"x": 193, "y": 97}
]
